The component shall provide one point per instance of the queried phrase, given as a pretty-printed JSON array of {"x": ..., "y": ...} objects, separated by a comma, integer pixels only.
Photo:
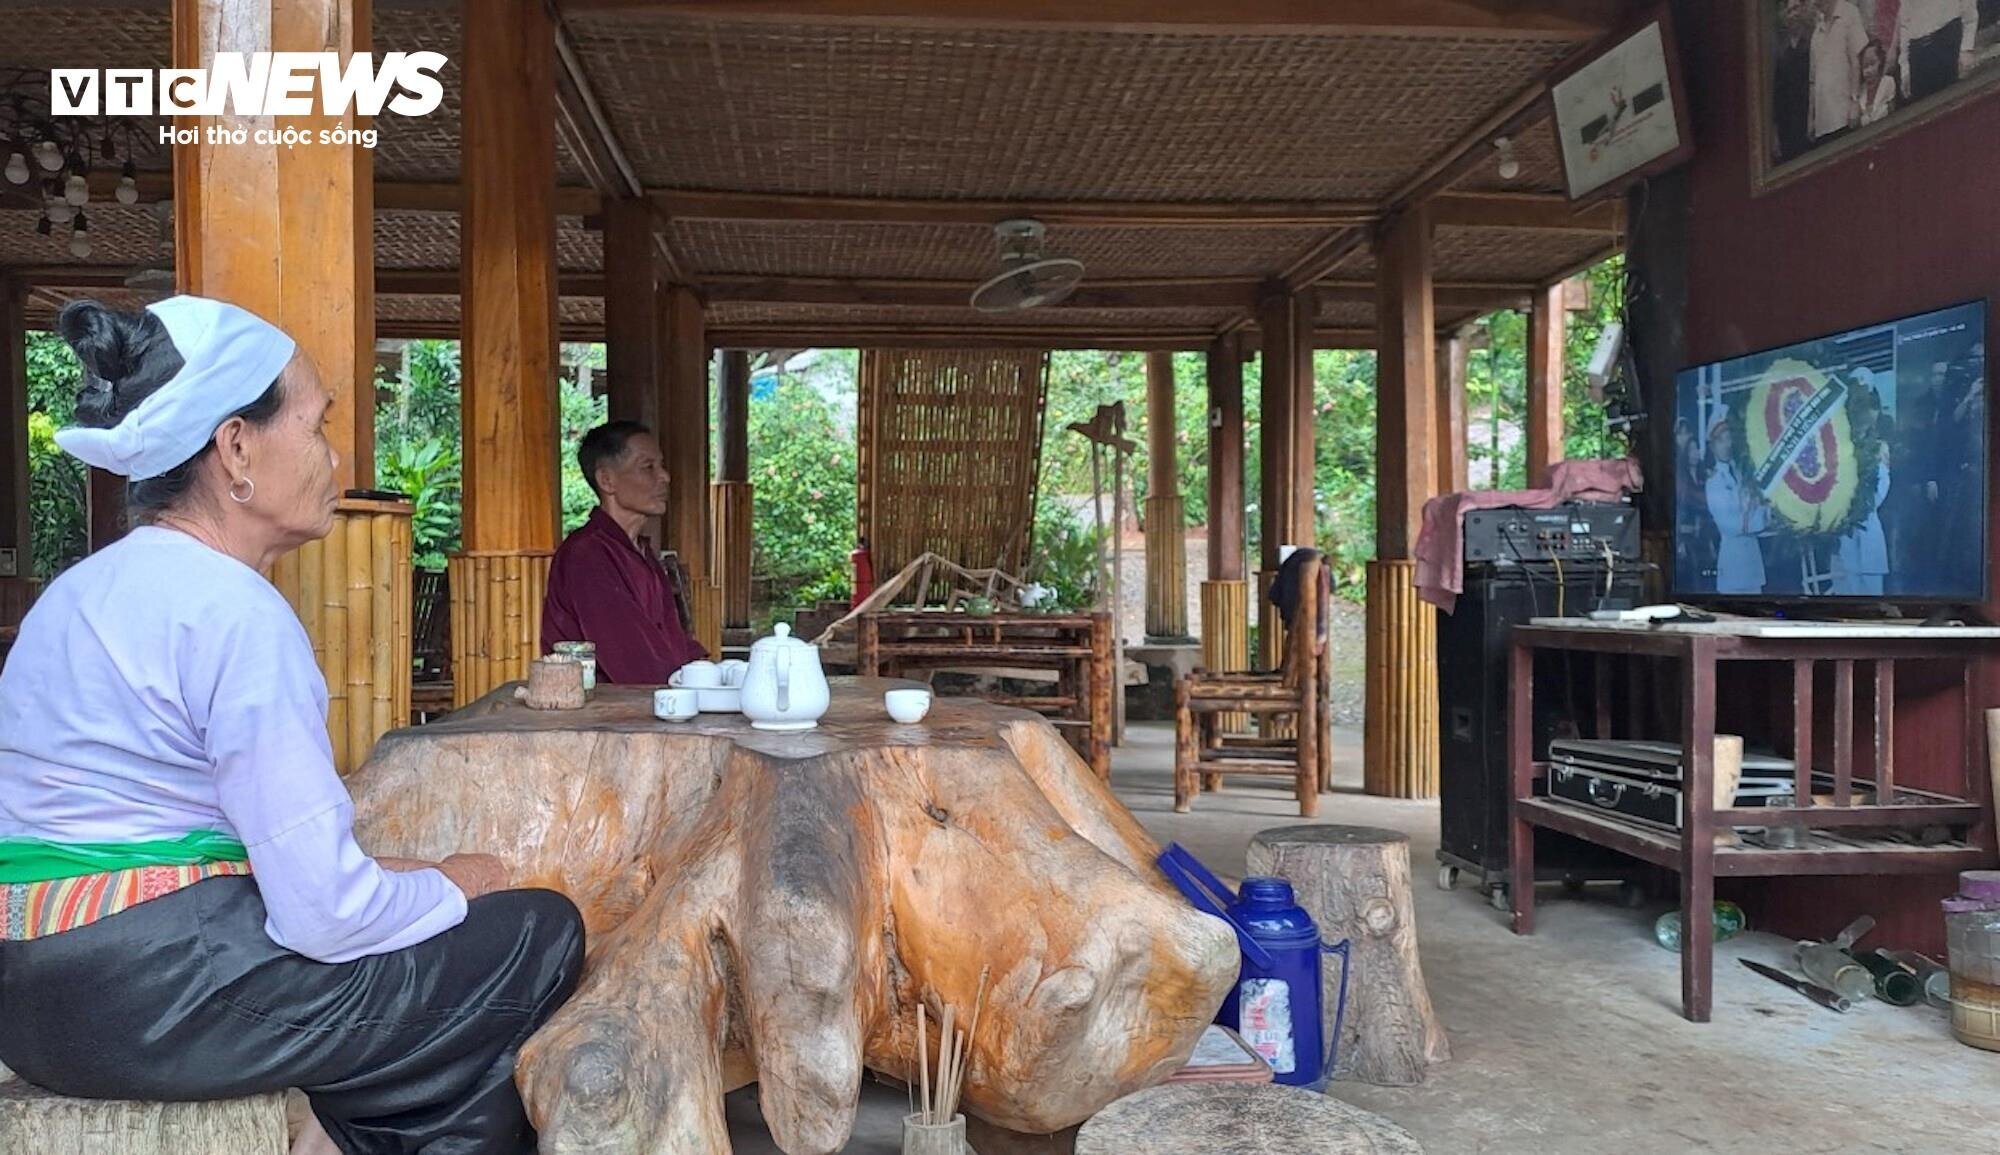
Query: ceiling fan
[{"x": 1027, "y": 279}]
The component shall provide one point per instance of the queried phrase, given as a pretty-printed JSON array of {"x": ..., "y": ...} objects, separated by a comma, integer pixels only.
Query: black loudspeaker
[{"x": 1472, "y": 713}]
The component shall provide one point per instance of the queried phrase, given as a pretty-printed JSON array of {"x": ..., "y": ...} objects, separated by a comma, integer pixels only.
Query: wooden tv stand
[{"x": 1837, "y": 842}]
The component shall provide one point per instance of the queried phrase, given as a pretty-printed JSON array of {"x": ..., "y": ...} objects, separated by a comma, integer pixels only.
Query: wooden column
[
  {"x": 507, "y": 235},
  {"x": 288, "y": 233},
  {"x": 1401, "y": 740},
  {"x": 1225, "y": 596},
  {"x": 1166, "y": 510},
  {"x": 1304, "y": 522},
  {"x": 1451, "y": 458},
  {"x": 107, "y": 508},
  {"x": 734, "y": 502},
  {"x": 631, "y": 313},
  {"x": 1547, "y": 329},
  {"x": 684, "y": 441},
  {"x": 16, "y": 529},
  {"x": 1275, "y": 322}
]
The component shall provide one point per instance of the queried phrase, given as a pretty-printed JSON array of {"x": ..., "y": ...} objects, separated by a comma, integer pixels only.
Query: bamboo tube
[
  {"x": 382, "y": 633},
  {"x": 333, "y": 628},
  {"x": 1225, "y": 636},
  {"x": 1166, "y": 568},
  {"x": 730, "y": 557},
  {"x": 404, "y": 608},
  {"x": 1401, "y": 735},
  {"x": 360, "y": 666}
]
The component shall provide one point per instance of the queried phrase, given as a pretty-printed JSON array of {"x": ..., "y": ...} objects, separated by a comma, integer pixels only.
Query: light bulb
[
  {"x": 128, "y": 191},
  {"x": 1510, "y": 168},
  {"x": 17, "y": 169},
  {"x": 79, "y": 244},
  {"x": 48, "y": 156},
  {"x": 61, "y": 212},
  {"x": 1510, "y": 165},
  {"x": 77, "y": 190}
]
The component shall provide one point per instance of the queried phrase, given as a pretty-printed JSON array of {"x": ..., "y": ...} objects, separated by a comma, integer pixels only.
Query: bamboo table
[
  {"x": 1077, "y": 646},
  {"x": 1838, "y": 836}
]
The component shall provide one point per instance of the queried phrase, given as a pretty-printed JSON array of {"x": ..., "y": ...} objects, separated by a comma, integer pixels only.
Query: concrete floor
[{"x": 1571, "y": 1041}]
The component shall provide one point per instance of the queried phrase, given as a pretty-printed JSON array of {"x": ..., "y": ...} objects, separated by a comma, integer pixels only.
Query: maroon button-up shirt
[{"x": 607, "y": 590}]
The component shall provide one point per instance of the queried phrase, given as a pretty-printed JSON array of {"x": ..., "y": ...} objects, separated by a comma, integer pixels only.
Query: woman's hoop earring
[{"x": 249, "y": 485}]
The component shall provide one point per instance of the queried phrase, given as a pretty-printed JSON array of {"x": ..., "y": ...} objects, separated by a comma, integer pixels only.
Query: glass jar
[
  {"x": 585, "y": 652},
  {"x": 1972, "y": 938}
]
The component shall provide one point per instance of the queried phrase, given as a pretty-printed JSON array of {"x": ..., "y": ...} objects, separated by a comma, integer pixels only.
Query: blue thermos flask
[{"x": 1275, "y": 1004}]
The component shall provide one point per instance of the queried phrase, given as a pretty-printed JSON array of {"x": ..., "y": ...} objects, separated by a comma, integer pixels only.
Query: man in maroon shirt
[{"x": 606, "y": 584}]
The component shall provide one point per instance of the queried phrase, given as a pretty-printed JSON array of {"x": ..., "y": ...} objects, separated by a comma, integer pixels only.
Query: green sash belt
[{"x": 37, "y": 860}]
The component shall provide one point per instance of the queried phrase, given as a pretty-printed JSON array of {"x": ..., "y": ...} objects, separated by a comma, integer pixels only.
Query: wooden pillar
[
  {"x": 1275, "y": 323},
  {"x": 1304, "y": 522},
  {"x": 734, "y": 503},
  {"x": 1225, "y": 596},
  {"x": 1451, "y": 460},
  {"x": 507, "y": 236},
  {"x": 631, "y": 313},
  {"x": 1401, "y": 738},
  {"x": 684, "y": 441},
  {"x": 288, "y": 233},
  {"x": 1166, "y": 510},
  {"x": 1547, "y": 329},
  {"x": 16, "y": 530}
]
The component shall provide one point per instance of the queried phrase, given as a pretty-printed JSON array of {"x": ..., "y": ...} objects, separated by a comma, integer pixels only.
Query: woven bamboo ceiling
[{"x": 828, "y": 171}]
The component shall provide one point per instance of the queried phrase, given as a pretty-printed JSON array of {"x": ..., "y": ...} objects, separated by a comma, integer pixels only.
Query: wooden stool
[
  {"x": 1239, "y": 1119},
  {"x": 34, "y": 1120},
  {"x": 1355, "y": 882}
]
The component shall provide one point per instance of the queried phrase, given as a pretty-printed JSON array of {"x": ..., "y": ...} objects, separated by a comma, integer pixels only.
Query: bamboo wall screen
[{"x": 950, "y": 446}]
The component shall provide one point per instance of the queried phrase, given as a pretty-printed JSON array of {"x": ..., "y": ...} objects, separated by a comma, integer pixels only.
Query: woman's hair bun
[{"x": 125, "y": 357}]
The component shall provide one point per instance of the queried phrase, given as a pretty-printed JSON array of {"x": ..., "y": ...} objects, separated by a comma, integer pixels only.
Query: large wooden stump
[
  {"x": 1355, "y": 882},
  {"x": 771, "y": 907},
  {"x": 38, "y": 1122},
  {"x": 1239, "y": 1119}
]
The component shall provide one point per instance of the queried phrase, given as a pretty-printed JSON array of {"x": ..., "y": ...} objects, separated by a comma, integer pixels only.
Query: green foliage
[
  {"x": 417, "y": 446},
  {"x": 581, "y": 413},
  {"x": 428, "y": 471},
  {"x": 1065, "y": 553},
  {"x": 58, "y": 484},
  {"x": 1344, "y": 464},
  {"x": 802, "y": 465}
]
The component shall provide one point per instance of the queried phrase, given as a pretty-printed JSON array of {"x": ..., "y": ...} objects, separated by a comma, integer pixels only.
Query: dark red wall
[{"x": 1910, "y": 224}]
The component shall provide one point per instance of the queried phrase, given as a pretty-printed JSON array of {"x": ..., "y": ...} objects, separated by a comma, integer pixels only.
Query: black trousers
[
  {"x": 186, "y": 998},
  {"x": 1934, "y": 60}
]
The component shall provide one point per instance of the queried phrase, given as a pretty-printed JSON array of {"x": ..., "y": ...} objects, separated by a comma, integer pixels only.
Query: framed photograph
[
  {"x": 1828, "y": 76},
  {"x": 1621, "y": 114}
]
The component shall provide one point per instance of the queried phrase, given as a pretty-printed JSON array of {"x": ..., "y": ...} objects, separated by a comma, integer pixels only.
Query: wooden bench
[{"x": 45, "y": 1123}]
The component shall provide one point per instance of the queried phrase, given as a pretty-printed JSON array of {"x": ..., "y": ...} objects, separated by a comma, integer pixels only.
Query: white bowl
[
  {"x": 675, "y": 704},
  {"x": 700, "y": 675},
  {"x": 721, "y": 699},
  {"x": 907, "y": 706}
]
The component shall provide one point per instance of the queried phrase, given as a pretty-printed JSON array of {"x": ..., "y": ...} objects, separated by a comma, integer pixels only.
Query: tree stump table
[
  {"x": 1355, "y": 882},
  {"x": 1239, "y": 1119},
  {"x": 771, "y": 907}
]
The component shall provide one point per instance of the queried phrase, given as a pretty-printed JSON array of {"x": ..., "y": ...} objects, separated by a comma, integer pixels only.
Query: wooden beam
[
  {"x": 1214, "y": 293},
  {"x": 507, "y": 255},
  {"x": 1405, "y": 435},
  {"x": 1486, "y": 297},
  {"x": 631, "y": 313},
  {"x": 449, "y": 283},
  {"x": 808, "y": 335},
  {"x": 1547, "y": 330},
  {"x": 1322, "y": 257},
  {"x": 412, "y": 196},
  {"x": 1547, "y": 212},
  {"x": 701, "y": 205},
  {"x": 1225, "y": 462},
  {"x": 1539, "y": 19},
  {"x": 286, "y": 232}
]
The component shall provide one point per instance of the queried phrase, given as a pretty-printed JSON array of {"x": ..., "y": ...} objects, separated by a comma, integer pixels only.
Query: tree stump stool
[
  {"x": 1355, "y": 882},
  {"x": 1239, "y": 1119},
  {"x": 36, "y": 1121}
]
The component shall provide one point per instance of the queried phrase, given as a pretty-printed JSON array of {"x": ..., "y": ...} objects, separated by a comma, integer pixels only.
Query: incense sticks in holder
[{"x": 936, "y": 1127}]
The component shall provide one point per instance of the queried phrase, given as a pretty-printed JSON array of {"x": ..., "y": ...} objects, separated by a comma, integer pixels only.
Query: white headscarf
[{"x": 230, "y": 356}]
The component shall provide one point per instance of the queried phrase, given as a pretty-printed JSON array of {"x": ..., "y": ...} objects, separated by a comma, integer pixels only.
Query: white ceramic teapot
[{"x": 785, "y": 688}]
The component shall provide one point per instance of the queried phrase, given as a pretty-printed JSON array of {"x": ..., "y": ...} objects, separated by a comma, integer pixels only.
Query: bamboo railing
[
  {"x": 729, "y": 556},
  {"x": 1225, "y": 636},
  {"x": 351, "y": 590},
  {"x": 496, "y": 618},
  {"x": 1401, "y": 730}
]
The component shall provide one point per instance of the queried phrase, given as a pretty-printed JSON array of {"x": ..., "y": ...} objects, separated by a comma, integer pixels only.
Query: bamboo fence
[
  {"x": 729, "y": 556},
  {"x": 351, "y": 590},
  {"x": 950, "y": 447},
  {"x": 1166, "y": 568},
  {"x": 496, "y": 618},
  {"x": 1401, "y": 735}
]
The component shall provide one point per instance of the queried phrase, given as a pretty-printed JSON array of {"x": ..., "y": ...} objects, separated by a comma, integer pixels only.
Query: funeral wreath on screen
[{"x": 773, "y": 907}]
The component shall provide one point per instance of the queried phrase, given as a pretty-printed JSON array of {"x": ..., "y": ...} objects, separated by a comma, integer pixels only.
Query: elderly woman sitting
[{"x": 184, "y": 913}]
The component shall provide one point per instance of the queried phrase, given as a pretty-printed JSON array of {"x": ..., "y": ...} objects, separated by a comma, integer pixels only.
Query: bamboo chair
[{"x": 1295, "y": 692}]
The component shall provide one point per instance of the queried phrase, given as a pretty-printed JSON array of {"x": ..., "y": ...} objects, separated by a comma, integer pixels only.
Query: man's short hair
[{"x": 604, "y": 445}]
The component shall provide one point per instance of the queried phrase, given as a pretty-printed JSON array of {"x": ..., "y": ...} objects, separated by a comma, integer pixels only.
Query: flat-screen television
[{"x": 1852, "y": 466}]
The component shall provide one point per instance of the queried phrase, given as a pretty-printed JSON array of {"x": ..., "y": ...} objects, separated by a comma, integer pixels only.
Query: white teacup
[
  {"x": 676, "y": 704},
  {"x": 733, "y": 671},
  {"x": 700, "y": 675},
  {"x": 907, "y": 706}
]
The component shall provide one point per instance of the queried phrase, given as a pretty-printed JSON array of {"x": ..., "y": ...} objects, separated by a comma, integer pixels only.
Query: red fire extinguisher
[{"x": 864, "y": 573}]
